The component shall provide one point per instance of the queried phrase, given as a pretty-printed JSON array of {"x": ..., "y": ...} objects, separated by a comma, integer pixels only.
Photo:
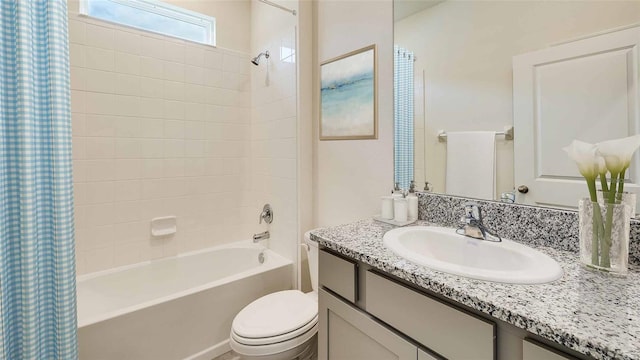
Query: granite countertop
[{"x": 593, "y": 313}]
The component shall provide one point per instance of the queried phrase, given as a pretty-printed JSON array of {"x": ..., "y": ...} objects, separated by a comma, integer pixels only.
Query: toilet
[{"x": 282, "y": 325}]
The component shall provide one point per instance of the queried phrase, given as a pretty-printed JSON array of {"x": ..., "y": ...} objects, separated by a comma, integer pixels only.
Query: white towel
[{"x": 471, "y": 164}]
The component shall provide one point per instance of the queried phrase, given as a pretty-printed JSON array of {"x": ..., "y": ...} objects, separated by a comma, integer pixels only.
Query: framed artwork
[{"x": 348, "y": 96}]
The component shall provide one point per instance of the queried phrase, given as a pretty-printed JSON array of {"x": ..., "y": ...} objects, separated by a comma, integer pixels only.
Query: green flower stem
[
  {"x": 603, "y": 183},
  {"x": 596, "y": 223},
  {"x": 605, "y": 261},
  {"x": 621, "y": 185}
]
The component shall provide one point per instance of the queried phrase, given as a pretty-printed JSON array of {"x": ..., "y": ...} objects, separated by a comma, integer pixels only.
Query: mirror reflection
[{"x": 487, "y": 93}]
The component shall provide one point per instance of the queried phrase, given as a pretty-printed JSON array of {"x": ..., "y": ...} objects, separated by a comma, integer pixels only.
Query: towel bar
[{"x": 507, "y": 133}]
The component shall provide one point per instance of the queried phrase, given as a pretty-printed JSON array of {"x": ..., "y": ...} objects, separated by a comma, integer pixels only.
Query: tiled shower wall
[
  {"x": 160, "y": 127},
  {"x": 274, "y": 123}
]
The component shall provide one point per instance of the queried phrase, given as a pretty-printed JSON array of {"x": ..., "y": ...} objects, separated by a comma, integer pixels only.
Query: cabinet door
[
  {"x": 347, "y": 333},
  {"x": 532, "y": 351}
]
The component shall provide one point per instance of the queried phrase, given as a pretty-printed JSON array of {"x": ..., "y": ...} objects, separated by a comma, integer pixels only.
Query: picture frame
[{"x": 349, "y": 96}]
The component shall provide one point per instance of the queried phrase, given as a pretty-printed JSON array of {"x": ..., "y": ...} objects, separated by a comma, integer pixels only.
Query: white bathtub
[{"x": 177, "y": 308}]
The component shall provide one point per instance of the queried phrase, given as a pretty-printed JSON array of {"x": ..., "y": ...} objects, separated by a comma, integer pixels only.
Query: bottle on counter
[
  {"x": 412, "y": 202},
  {"x": 397, "y": 192}
]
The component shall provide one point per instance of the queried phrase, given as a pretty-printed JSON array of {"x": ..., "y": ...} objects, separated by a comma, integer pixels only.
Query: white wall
[
  {"x": 351, "y": 175},
  {"x": 274, "y": 124},
  {"x": 466, "y": 48},
  {"x": 160, "y": 127}
]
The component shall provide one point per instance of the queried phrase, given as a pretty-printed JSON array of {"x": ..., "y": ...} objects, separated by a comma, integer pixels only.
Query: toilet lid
[{"x": 275, "y": 314}]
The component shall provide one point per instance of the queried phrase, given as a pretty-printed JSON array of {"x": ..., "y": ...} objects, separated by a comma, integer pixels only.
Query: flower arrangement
[{"x": 597, "y": 161}]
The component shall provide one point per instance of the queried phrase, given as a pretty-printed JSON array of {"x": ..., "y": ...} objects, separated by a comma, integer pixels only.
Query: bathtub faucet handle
[{"x": 266, "y": 214}]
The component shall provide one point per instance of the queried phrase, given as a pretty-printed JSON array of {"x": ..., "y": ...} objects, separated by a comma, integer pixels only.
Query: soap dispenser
[
  {"x": 412, "y": 199},
  {"x": 397, "y": 192}
]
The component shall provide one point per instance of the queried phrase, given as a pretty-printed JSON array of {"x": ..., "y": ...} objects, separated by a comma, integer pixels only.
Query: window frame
[{"x": 163, "y": 9}]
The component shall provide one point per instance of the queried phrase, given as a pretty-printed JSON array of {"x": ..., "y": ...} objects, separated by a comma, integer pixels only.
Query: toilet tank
[{"x": 312, "y": 255}]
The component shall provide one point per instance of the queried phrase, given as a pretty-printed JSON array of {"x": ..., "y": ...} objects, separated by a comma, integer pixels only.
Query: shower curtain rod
[{"x": 278, "y": 6}]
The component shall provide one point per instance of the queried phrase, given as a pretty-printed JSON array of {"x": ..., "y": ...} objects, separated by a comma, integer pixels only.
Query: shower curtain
[
  {"x": 403, "y": 116},
  {"x": 37, "y": 266}
]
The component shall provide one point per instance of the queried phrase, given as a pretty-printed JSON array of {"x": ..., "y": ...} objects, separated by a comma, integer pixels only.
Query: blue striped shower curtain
[
  {"x": 403, "y": 116},
  {"x": 37, "y": 265}
]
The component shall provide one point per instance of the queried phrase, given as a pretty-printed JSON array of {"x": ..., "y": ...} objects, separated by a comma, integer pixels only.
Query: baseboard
[{"x": 211, "y": 352}]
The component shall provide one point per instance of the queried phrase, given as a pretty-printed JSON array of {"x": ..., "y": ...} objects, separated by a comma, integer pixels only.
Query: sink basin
[{"x": 444, "y": 250}]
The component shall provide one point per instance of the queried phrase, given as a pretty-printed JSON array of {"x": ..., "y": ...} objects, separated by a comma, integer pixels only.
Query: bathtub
[{"x": 176, "y": 308}]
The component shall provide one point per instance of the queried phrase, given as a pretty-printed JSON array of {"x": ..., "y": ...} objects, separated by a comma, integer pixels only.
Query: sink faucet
[
  {"x": 261, "y": 236},
  {"x": 471, "y": 224}
]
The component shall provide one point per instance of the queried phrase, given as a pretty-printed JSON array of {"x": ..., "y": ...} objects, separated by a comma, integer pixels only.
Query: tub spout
[{"x": 261, "y": 236}]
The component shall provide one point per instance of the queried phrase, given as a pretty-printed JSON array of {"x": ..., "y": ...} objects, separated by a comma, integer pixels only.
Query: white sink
[{"x": 444, "y": 250}]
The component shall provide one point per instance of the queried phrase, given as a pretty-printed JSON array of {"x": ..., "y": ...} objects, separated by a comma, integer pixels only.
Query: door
[
  {"x": 586, "y": 90},
  {"x": 348, "y": 333}
]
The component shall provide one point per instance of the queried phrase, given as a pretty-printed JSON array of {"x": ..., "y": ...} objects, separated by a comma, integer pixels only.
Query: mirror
[{"x": 550, "y": 71}]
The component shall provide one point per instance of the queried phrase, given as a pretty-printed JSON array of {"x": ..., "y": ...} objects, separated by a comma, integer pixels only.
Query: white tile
[
  {"x": 127, "y": 148},
  {"x": 99, "y": 103},
  {"x": 152, "y": 128},
  {"x": 151, "y": 148},
  {"x": 127, "y": 63},
  {"x": 77, "y": 55},
  {"x": 128, "y": 169},
  {"x": 127, "y": 84},
  {"x": 231, "y": 63},
  {"x": 127, "y": 105},
  {"x": 173, "y": 51},
  {"x": 173, "y": 148},
  {"x": 173, "y": 90},
  {"x": 99, "y": 59},
  {"x": 98, "y": 259},
  {"x": 194, "y": 55},
  {"x": 99, "y": 170},
  {"x": 100, "y": 81},
  {"x": 194, "y": 111},
  {"x": 79, "y": 146},
  {"x": 150, "y": 87},
  {"x": 193, "y": 129},
  {"x": 127, "y": 127},
  {"x": 152, "y": 168},
  {"x": 128, "y": 190},
  {"x": 173, "y": 129},
  {"x": 128, "y": 42},
  {"x": 99, "y": 125},
  {"x": 173, "y": 168},
  {"x": 78, "y": 124},
  {"x": 99, "y": 36},
  {"x": 151, "y": 107},
  {"x": 213, "y": 59},
  {"x": 76, "y": 31},
  {"x": 173, "y": 71},
  {"x": 194, "y": 93},
  {"x": 99, "y": 192},
  {"x": 151, "y": 67},
  {"x": 78, "y": 78},
  {"x": 213, "y": 77},
  {"x": 152, "y": 47},
  {"x": 174, "y": 110},
  {"x": 194, "y": 75}
]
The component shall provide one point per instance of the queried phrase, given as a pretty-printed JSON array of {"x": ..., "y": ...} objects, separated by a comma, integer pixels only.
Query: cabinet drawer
[
  {"x": 339, "y": 275},
  {"x": 449, "y": 332},
  {"x": 346, "y": 333},
  {"x": 533, "y": 351}
]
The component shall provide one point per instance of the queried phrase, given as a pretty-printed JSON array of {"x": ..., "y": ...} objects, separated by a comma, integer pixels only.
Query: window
[{"x": 155, "y": 16}]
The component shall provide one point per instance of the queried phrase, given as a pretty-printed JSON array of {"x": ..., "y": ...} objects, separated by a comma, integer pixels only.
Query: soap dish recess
[
  {"x": 393, "y": 222},
  {"x": 163, "y": 226}
]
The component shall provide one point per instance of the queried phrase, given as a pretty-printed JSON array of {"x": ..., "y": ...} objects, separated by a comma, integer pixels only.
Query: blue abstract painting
[{"x": 348, "y": 96}]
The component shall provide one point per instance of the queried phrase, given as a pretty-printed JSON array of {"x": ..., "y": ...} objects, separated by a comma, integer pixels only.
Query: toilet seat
[{"x": 275, "y": 323}]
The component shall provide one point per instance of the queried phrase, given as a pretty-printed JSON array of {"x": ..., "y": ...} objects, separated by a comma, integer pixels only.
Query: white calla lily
[
  {"x": 617, "y": 154},
  {"x": 590, "y": 164}
]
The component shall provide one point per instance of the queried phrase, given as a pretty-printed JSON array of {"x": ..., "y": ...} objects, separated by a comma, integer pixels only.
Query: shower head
[{"x": 256, "y": 60}]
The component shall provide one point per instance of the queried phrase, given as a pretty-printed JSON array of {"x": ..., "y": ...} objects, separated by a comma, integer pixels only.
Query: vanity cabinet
[{"x": 364, "y": 314}]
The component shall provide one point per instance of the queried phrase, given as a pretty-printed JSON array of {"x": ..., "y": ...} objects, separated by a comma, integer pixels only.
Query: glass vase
[{"x": 604, "y": 235}]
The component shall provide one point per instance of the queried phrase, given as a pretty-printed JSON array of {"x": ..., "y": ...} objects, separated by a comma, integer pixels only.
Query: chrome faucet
[
  {"x": 261, "y": 236},
  {"x": 266, "y": 214},
  {"x": 471, "y": 224}
]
